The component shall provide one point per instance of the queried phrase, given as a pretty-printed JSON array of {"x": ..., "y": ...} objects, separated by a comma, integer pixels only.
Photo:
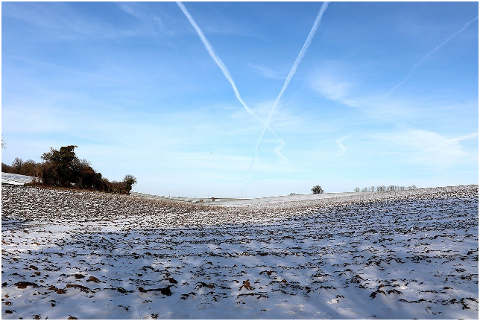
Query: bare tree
[{"x": 17, "y": 165}]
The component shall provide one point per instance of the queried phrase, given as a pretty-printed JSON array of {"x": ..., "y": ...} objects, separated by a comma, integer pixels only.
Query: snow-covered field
[
  {"x": 70, "y": 254},
  {"x": 16, "y": 179}
]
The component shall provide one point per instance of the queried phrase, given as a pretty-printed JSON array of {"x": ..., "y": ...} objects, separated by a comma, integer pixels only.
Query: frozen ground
[
  {"x": 248, "y": 201},
  {"x": 16, "y": 179},
  {"x": 411, "y": 254}
]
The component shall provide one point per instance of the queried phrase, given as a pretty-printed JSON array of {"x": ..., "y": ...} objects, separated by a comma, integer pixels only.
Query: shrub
[
  {"x": 129, "y": 181},
  {"x": 7, "y": 168},
  {"x": 62, "y": 168},
  {"x": 59, "y": 167},
  {"x": 17, "y": 165},
  {"x": 86, "y": 175},
  {"x": 317, "y": 189},
  {"x": 29, "y": 168}
]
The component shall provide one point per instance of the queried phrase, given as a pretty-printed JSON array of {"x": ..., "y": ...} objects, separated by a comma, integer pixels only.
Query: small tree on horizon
[
  {"x": 317, "y": 189},
  {"x": 17, "y": 165},
  {"x": 129, "y": 181}
]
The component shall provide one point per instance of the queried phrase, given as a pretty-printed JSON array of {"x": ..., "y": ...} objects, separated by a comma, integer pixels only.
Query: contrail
[
  {"x": 227, "y": 75},
  {"x": 429, "y": 54},
  {"x": 342, "y": 147},
  {"x": 289, "y": 77}
]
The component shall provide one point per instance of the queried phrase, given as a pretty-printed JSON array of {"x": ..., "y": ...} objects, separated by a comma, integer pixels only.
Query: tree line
[
  {"x": 62, "y": 168},
  {"x": 384, "y": 188}
]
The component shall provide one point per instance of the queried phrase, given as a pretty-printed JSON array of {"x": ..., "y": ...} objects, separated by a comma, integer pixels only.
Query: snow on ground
[
  {"x": 16, "y": 179},
  {"x": 248, "y": 201},
  {"x": 411, "y": 254}
]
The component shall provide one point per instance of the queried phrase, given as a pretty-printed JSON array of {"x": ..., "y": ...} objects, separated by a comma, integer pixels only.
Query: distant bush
[
  {"x": 317, "y": 189},
  {"x": 29, "y": 167},
  {"x": 7, "y": 168}
]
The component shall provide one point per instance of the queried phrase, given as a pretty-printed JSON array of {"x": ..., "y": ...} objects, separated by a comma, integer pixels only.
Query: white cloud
[
  {"x": 32, "y": 119},
  {"x": 332, "y": 84},
  {"x": 431, "y": 149},
  {"x": 267, "y": 72},
  {"x": 141, "y": 12},
  {"x": 333, "y": 88},
  {"x": 60, "y": 20}
]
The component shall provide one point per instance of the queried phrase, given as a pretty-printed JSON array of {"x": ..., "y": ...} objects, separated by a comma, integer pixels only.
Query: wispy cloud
[
  {"x": 333, "y": 84},
  {"x": 152, "y": 23},
  {"x": 267, "y": 72},
  {"x": 332, "y": 87},
  {"x": 431, "y": 149},
  {"x": 139, "y": 11},
  {"x": 61, "y": 22}
]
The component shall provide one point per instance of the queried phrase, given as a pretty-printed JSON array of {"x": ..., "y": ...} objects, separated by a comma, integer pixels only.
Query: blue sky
[{"x": 385, "y": 93}]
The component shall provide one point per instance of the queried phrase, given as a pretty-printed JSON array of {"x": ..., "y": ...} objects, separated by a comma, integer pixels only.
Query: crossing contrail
[
  {"x": 429, "y": 54},
  {"x": 227, "y": 75},
  {"x": 289, "y": 77}
]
